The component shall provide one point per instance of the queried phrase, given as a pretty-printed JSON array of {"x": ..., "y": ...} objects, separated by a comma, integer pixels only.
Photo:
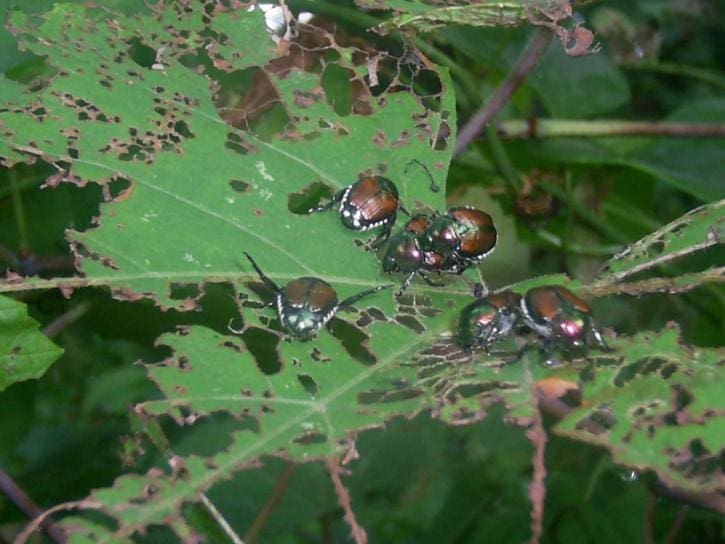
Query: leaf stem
[
  {"x": 274, "y": 499},
  {"x": 558, "y": 128}
]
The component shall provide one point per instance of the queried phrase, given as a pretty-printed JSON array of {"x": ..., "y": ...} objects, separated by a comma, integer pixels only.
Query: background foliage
[{"x": 143, "y": 152}]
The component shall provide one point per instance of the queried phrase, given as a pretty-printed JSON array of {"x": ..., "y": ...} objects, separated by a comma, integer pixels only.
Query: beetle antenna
[
  {"x": 433, "y": 185},
  {"x": 232, "y": 329},
  {"x": 268, "y": 282},
  {"x": 353, "y": 299}
]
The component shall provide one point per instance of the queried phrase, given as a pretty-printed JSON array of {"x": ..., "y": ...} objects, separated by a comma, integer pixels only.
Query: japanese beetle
[
  {"x": 561, "y": 318},
  {"x": 307, "y": 304},
  {"x": 464, "y": 235},
  {"x": 488, "y": 319},
  {"x": 369, "y": 203},
  {"x": 405, "y": 255}
]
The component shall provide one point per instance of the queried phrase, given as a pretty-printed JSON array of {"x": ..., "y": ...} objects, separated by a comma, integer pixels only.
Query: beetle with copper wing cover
[
  {"x": 369, "y": 203},
  {"x": 562, "y": 320}
]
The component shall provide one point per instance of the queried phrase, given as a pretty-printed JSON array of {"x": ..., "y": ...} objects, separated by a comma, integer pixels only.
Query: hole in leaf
[
  {"x": 183, "y": 129},
  {"x": 598, "y": 422},
  {"x": 410, "y": 322},
  {"x": 262, "y": 344},
  {"x": 309, "y": 197},
  {"x": 140, "y": 53},
  {"x": 248, "y": 100},
  {"x": 353, "y": 340},
  {"x": 235, "y": 143},
  {"x": 639, "y": 368},
  {"x": 309, "y": 384},
  {"x": 181, "y": 291},
  {"x": 336, "y": 82},
  {"x": 240, "y": 186}
]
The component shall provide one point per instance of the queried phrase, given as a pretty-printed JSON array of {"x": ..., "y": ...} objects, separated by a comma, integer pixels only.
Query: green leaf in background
[
  {"x": 692, "y": 165},
  {"x": 24, "y": 352}
]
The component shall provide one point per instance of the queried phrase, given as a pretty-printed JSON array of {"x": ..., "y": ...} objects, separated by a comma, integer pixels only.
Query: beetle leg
[
  {"x": 599, "y": 339},
  {"x": 383, "y": 236},
  {"x": 405, "y": 283},
  {"x": 353, "y": 299},
  {"x": 433, "y": 185},
  {"x": 268, "y": 282},
  {"x": 429, "y": 281}
]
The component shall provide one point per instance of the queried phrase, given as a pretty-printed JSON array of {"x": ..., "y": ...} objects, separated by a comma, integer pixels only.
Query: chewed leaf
[
  {"x": 24, "y": 352},
  {"x": 202, "y": 127},
  {"x": 699, "y": 229},
  {"x": 660, "y": 408}
]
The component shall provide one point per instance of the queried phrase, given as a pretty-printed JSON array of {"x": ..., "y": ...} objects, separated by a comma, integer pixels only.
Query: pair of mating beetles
[
  {"x": 561, "y": 319},
  {"x": 449, "y": 242}
]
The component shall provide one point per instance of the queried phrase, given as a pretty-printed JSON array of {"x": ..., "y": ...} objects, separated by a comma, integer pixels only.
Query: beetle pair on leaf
[{"x": 560, "y": 318}]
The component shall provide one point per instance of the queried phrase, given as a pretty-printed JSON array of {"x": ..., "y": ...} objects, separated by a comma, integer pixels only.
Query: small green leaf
[{"x": 24, "y": 352}]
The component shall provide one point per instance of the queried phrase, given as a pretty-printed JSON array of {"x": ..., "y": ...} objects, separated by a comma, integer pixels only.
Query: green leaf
[
  {"x": 689, "y": 164},
  {"x": 660, "y": 408},
  {"x": 24, "y": 352},
  {"x": 701, "y": 228},
  {"x": 196, "y": 190}
]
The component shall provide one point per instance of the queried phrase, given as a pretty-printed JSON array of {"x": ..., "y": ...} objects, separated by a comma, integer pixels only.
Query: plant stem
[
  {"x": 503, "y": 93},
  {"x": 558, "y": 128},
  {"x": 274, "y": 499},
  {"x": 20, "y": 499}
]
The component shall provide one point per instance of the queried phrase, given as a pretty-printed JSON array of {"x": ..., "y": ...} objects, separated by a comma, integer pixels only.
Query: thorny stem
[
  {"x": 274, "y": 499},
  {"x": 20, "y": 499},
  {"x": 18, "y": 208},
  {"x": 343, "y": 499},
  {"x": 557, "y": 128},
  {"x": 503, "y": 93},
  {"x": 220, "y": 519},
  {"x": 537, "y": 489}
]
